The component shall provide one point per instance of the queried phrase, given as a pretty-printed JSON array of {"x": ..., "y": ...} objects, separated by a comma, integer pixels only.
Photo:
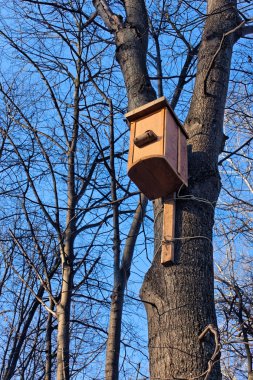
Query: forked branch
[{"x": 111, "y": 20}]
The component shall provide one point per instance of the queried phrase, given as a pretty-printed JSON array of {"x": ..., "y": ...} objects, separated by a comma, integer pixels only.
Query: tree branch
[
  {"x": 246, "y": 30},
  {"x": 212, "y": 329},
  {"x": 235, "y": 151},
  {"x": 111, "y": 20}
]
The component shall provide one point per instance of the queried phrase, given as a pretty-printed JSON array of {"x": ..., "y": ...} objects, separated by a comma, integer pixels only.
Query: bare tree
[
  {"x": 63, "y": 155},
  {"x": 181, "y": 297},
  {"x": 56, "y": 186},
  {"x": 234, "y": 304}
]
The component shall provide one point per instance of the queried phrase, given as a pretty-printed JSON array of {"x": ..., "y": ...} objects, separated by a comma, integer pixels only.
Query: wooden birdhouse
[{"x": 157, "y": 161}]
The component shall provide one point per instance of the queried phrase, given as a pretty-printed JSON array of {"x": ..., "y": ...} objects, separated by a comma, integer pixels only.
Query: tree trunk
[
  {"x": 183, "y": 294},
  {"x": 63, "y": 315},
  {"x": 114, "y": 332},
  {"x": 131, "y": 40},
  {"x": 49, "y": 330},
  {"x": 67, "y": 249},
  {"x": 131, "y": 50}
]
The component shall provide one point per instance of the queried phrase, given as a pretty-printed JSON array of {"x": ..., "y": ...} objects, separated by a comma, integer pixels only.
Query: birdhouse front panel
[
  {"x": 154, "y": 123},
  {"x": 157, "y": 161}
]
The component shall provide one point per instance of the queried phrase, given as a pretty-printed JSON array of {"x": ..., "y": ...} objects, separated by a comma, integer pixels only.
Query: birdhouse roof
[{"x": 151, "y": 107}]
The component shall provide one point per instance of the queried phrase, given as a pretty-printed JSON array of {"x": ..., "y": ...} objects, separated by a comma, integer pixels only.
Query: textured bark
[
  {"x": 131, "y": 55},
  {"x": 114, "y": 334},
  {"x": 183, "y": 294},
  {"x": 131, "y": 38}
]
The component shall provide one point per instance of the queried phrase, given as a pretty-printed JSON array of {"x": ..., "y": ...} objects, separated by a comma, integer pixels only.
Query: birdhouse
[{"x": 157, "y": 161}]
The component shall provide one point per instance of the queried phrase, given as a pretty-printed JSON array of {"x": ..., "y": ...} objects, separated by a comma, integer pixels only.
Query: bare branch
[
  {"x": 235, "y": 151},
  {"x": 111, "y": 20},
  {"x": 212, "y": 329},
  {"x": 32, "y": 291},
  {"x": 246, "y": 30}
]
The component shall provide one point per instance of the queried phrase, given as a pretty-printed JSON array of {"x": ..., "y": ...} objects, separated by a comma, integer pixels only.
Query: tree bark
[
  {"x": 131, "y": 38},
  {"x": 183, "y": 294},
  {"x": 63, "y": 316},
  {"x": 67, "y": 250},
  {"x": 116, "y": 311},
  {"x": 49, "y": 330},
  {"x": 131, "y": 53}
]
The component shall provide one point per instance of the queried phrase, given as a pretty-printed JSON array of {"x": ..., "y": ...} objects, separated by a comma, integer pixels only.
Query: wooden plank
[
  {"x": 155, "y": 123},
  {"x": 179, "y": 153},
  {"x": 169, "y": 213},
  {"x": 147, "y": 109},
  {"x": 183, "y": 160},
  {"x": 171, "y": 141},
  {"x": 154, "y": 177},
  {"x": 151, "y": 107},
  {"x": 131, "y": 144}
]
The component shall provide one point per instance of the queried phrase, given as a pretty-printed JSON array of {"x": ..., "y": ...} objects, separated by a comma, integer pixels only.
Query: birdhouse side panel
[
  {"x": 131, "y": 144},
  {"x": 182, "y": 158},
  {"x": 171, "y": 141}
]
